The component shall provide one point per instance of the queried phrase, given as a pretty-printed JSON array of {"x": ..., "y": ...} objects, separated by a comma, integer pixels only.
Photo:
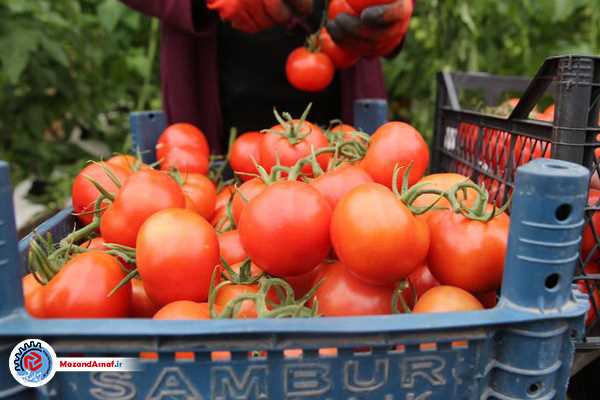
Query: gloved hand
[
  {"x": 252, "y": 16},
  {"x": 377, "y": 31}
]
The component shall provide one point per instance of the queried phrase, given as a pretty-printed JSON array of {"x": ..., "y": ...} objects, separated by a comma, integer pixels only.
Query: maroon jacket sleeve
[{"x": 190, "y": 16}]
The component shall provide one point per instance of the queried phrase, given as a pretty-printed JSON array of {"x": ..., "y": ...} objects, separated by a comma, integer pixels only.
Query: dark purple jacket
[{"x": 189, "y": 68}]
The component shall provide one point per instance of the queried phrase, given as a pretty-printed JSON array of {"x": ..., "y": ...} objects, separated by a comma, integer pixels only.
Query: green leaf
[
  {"x": 56, "y": 51},
  {"x": 109, "y": 14},
  {"x": 16, "y": 49}
]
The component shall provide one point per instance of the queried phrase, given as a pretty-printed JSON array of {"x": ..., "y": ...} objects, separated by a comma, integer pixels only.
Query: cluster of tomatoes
[{"x": 316, "y": 222}]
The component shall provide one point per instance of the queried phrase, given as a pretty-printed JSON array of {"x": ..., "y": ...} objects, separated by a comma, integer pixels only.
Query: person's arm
[{"x": 188, "y": 15}]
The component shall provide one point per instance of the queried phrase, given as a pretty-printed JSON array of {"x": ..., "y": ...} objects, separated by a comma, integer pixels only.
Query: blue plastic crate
[{"x": 522, "y": 349}]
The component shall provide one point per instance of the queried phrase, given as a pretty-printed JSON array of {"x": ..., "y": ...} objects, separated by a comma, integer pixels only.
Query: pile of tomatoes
[{"x": 315, "y": 222}]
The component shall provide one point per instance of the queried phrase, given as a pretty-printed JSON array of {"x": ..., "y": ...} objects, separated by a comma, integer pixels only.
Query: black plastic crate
[{"x": 472, "y": 139}]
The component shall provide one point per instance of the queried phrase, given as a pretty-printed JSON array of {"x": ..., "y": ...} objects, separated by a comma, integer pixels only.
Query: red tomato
[
  {"x": 496, "y": 148},
  {"x": 341, "y": 58},
  {"x": 589, "y": 241},
  {"x": 33, "y": 295},
  {"x": 396, "y": 143},
  {"x": 223, "y": 197},
  {"x": 177, "y": 251},
  {"x": 81, "y": 288},
  {"x": 144, "y": 193},
  {"x": 219, "y": 220},
  {"x": 231, "y": 247},
  {"x": 183, "y": 310},
  {"x": 274, "y": 145},
  {"x": 244, "y": 152},
  {"x": 84, "y": 193},
  {"x": 444, "y": 182},
  {"x": 376, "y": 236},
  {"x": 341, "y": 294},
  {"x": 302, "y": 284},
  {"x": 337, "y": 7},
  {"x": 185, "y": 159},
  {"x": 228, "y": 293},
  {"x": 488, "y": 300},
  {"x": 336, "y": 183},
  {"x": 422, "y": 280},
  {"x": 548, "y": 114},
  {"x": 446, "y": 299},
  {"x": 99, "y": 244},
  {"x": 141, "y": 305},
  {"x": 465, "y": 253},
  {"x": 246, "y": 192},
  {"x": 182, "y": 135},
  {"x": 285, "y": 229},
  {"x": 359, "y": 5},
  {"x": 310, "y": 71},
  {"x": 202, "y": 194},
  {"x": 127, "y": 162},
  {"x": 527, "y": 149}
]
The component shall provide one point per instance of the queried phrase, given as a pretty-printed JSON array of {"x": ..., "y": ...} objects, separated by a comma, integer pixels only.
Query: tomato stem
[{"x": 398, "y": 297}]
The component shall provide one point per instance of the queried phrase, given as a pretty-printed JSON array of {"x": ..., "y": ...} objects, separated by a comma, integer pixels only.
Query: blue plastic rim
[{"x": 522, "y": 349}]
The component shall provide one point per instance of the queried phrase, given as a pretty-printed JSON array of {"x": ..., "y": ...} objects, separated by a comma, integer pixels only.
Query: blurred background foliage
[{"x": 72, "y": 70}]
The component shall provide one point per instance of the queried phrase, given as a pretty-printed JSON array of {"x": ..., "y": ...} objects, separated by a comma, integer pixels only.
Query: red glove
[
  {"x": 377, "y": 31},
  {"x": 252, "y": 16}
]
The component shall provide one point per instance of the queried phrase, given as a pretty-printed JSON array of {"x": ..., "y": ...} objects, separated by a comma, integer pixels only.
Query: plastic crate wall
[{"x": 489, "y": 148}]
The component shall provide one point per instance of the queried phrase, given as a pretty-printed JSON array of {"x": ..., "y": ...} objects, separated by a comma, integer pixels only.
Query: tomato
[
  {"x": 127, "y": 162},
  {"x": 285, "y": 229},
  {"x": 177, "y": 251},
  {"x": 496, "y": 149},
  {"x": 446, "y": 299},
  {"x": 141, "y": 305},
  {"x": 591, "y": 268},
  {"x": 84, "y": 194},
  {"x": 422, "y": 280},
  {"x": 589, "y": 241},
  {"x": 336, "y": 183},
  {"x": 183, "y": 310},
  {"x": 144, "y": 193},
  {"x": 246, "y": 192},
  {"x": 376, "y": 236},
  {"x": 227, "y": 293},
  {"x": 219, "y": 220},
  {"x": 341, "y": 57},
  {"x": 309, "y": 71},
  {"x": 337, "y": 7},
  {"x": 396, "y": 143},
  {"x": 527, "y": 149},
  {"x": 185, "y": 159},
  {"x": 275, "y": 145},
  {"x": 202, "y": 194},
  {"x": 99, "y": 244},
  {"x": 444, "y": 181},
  {"x": 182, "y": 135},
  {"x": 80, "y": 289},
  {"x": 341, "y": 294},
  {"x": 488, "y": 300},
  {"x": 223, "y": 197},
  {"x": 244, "y": 152},
  {"x": 231, "y": 247},
  {"x": 33, "y": 296},
  {"x": 548, "y": 114},
  {"x": 465, "y": 253},
  {"x": 302, "y": 284}
]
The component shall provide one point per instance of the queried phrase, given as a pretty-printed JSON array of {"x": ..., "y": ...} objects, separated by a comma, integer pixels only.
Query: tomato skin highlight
[
  {"x": 285, "y": 229},
  {"x": 309, "y": 71},
  {"x": 183, "y": 310},
  {"x": 396, "y": 143},
  {"x": 182, "y": 135},
  {"x": 80, "y": 289},
  {"x": 141, "y": 305},
  {"x": 334, "y": 184},
  {"x": 245, "y": 148},
  {"x": 447, "y": 299},
  {"x": 274, "y": 146},
  {"x": 84, "y": 194},
  {"x": 376, "y": 236},
  {"x": 33, "y": 296},
  {"x": 144, "y": 193},
  {"x": 171, "y": 268},
  {"x": 202, "y": 194},
  {"x": 465, "y": 253},
  {"x": 231, "y": 247}
]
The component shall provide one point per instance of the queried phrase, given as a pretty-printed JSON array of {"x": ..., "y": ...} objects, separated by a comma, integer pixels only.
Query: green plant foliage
[
  {"x": 70, "y": 71},
  {"x": 499, "y": 37}
]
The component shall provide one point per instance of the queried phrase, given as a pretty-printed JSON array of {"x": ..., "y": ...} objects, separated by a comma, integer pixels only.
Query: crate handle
[
  {"x": 146, "y": 127},
  {"x": 545, "y": 234},
  {"x": 11, "y": 295}
]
